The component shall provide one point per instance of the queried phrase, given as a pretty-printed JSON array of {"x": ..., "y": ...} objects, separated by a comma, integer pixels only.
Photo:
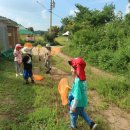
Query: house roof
[
  {"x": 7, "y": 21},
  {"x": 23, "y": 30}
]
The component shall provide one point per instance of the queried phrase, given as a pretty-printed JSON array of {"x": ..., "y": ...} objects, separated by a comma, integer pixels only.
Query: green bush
[
  {"x": 40, "y": 42},
  {"x": 101, "y": 37},
  {"x": 49, "y": 37},
  {"x": 121, "y": 60},
  {"x": 22, "y": 42}
]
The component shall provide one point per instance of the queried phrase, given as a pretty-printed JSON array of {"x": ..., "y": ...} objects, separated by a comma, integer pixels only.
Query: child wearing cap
[
  {"x": 78, "y": 99},
  {"x": 18, "y": 59},
  {"x": 47, "y": 57},
  {"x": 27, "y": 63}
]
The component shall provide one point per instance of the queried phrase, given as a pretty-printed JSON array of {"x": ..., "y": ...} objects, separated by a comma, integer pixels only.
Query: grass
[
  {"x": 38, "y": 106},
  {"x": 113, "y": 89},
  {"x": 62, "y": 40},
  {"x": 60, "y": 63},
  {"x": 28, "y": 107},
  {"x": 34, "y": 106},
  {"x": 110, "y": 89}
]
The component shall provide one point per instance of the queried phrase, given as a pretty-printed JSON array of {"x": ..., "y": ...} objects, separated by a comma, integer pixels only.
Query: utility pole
[
  {"x": 50, "y": 15},
  {"x": 52, "y": 5}
]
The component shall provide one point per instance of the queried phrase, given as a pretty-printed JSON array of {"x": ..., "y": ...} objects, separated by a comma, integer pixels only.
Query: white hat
[
  {"x": 47, "y": 45},
  {"x": 26, "y": 50}
]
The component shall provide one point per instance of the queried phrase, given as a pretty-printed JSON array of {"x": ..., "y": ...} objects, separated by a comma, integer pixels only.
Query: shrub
[
  {"x": 22, "y": 42},
  {"x": 49, "y": 37}
]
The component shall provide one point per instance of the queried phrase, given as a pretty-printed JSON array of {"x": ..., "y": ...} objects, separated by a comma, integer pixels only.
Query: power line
[
  {"x": 42, "y": 5},
  {"x": 48, "y": 9}
]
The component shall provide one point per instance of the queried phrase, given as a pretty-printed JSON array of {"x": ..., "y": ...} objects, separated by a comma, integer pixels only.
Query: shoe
[
  {"x": 47, "y": 72},
  {"x": 17, "y": 75},
  {"x": 93, "y": 126},
  {"x": 26, "y": 81},
  {"x": 32, "y": 81}
]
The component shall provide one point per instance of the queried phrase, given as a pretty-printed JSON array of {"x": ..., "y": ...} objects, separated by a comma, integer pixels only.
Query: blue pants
[
  {"x": 27, "y": 74},
  {"x": 79, "y": 112}
]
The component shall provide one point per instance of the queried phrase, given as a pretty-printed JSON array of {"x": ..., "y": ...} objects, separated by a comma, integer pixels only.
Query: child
[
  {"x": 27, "y": 63},
  {"x": 47, "y": 58},
  {"x": 77, "y": 97},
  {"x": 18, "y": 59}
]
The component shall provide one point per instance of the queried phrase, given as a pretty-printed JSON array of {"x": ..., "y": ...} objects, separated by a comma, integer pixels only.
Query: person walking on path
[
  {"x": 18, "y": 59},
  {"x": 78, "y": 99},
  {"x": 47, "y": 57}
]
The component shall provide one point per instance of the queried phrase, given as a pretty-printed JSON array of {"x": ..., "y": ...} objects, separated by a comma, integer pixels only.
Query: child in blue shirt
[{"x": 78, "y": 99}]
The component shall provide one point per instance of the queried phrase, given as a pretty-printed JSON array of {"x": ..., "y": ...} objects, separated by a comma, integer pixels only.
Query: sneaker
[
  {"x": 17, "y": 75},
  {"x": 93, "y": 126},
  {"x": 26, "y": 81},
  {"x": 47, "y": 72}
]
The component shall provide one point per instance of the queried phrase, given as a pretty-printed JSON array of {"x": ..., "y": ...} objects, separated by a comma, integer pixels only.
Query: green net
[{"x": 7, "y": 54}]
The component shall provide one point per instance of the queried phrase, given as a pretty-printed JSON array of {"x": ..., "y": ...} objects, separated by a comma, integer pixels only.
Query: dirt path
[{"x": 116, "y": 118}]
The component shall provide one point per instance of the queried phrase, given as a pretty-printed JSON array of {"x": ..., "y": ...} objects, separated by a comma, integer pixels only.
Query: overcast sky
[{"x": 29, "y": 13}]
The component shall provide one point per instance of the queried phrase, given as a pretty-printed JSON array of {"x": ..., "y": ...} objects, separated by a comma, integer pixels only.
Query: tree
[
  {"x": 104, "y": 16},
  {"x": 31, "y": 29},
  {"x": 84, "y": 14},
  {"x": 55, "y": 30},
  {"x": 67, "y": 23}
]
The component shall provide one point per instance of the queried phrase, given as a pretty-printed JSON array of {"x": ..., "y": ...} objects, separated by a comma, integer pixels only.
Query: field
[
  {"x": 34, "y": 106},
  {"x": 38, "y": 106}
]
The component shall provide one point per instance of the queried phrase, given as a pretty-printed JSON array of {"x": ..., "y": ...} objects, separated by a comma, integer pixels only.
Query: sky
[{"x": 35, "y": 13}]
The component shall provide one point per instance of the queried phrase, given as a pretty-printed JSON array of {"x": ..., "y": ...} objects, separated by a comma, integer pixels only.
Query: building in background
[
  {"x": 8, "y": 33},
  {"x": 26, "y": 34}
]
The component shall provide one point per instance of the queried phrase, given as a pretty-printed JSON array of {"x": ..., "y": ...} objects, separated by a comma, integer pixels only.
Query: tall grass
[{"x": 62, "y": 40}]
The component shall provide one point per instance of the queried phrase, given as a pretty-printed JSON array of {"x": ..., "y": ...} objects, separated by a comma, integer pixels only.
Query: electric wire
[{"x": 48, "y": 9}]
